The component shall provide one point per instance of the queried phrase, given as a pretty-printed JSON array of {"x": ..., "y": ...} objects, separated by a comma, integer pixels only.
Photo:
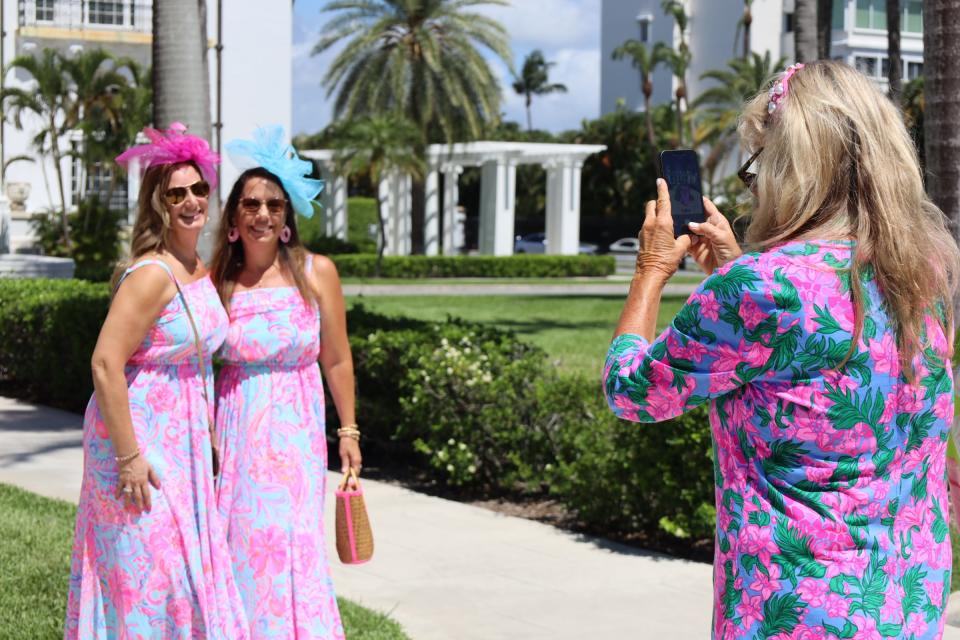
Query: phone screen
[{"x": 681, "y": 170}]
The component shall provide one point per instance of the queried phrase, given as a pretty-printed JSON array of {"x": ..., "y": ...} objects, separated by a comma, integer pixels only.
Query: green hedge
[
  {"x": 473, "y": 406},
  {"x": 520, "y": 266},
  {"x": 48, "y": 329}
]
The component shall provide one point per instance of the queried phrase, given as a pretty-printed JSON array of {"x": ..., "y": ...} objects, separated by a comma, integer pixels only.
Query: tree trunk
[
  {"x": 529, "y": 118},
  {"x": 55, "y": 149},
  {"x": 747, "y": 22},
  {"x": 679, "y": 122},
  {"x": 893, "y": 49},
  {"x": 651, "y": 134},
  {"x": 941, "y": 46},
  {"x": 181, "y": 81},
  {"x": 824, "y": 28},
  {"x": 805, "y": 30}
]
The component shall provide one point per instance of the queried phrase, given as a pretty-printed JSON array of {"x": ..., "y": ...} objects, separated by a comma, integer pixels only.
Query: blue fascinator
[{"x": 268, "y": 150}]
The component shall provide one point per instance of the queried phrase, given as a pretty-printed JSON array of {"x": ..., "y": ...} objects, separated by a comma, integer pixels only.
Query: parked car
[
  {"x": 625, "y": 245},
  {"x": 537, "y": 243}
]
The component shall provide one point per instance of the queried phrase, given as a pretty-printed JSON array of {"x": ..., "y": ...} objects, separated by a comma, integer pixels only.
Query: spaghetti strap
[
  {"x": 309, "y": 263},
  {"x": 142, "y": 263}
]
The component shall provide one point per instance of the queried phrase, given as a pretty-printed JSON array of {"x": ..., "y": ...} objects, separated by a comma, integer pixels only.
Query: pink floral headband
[
  {"x": 172, "y": 147},
  {"x": 781, "y": 87}
]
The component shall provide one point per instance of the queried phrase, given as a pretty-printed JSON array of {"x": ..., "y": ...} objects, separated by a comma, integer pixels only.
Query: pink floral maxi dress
[
  {"x": 830, "y": 482},
  {"x": 271, "y": 427},
  {"x": 164, "y": 574}
]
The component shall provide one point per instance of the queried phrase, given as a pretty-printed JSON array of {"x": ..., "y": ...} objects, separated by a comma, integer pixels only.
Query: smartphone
[{"x": 681, "y": 170}]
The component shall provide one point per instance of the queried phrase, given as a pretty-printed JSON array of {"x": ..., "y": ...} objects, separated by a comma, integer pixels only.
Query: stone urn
[{"x": 18, "y": 192}]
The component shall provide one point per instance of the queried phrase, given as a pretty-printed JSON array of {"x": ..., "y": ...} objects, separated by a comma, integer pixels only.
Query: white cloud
[{"x": 549, "y": 24}]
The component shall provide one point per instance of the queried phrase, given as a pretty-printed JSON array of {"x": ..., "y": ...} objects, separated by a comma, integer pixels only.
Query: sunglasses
[
  {"x": 744, "y": 173},
  {"x": 252, "y": 205},
  {"x": 176, "y": 195}
]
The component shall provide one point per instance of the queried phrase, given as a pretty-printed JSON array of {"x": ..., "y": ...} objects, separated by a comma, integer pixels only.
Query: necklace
[{"x": 258, "y": 284}]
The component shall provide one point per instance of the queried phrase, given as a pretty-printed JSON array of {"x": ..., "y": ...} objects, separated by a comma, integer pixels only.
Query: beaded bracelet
[{"x": 127, "y": 458}]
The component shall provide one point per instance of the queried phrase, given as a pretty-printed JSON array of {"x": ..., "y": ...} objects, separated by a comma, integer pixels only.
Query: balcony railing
[{"x": 116, "y": 15}]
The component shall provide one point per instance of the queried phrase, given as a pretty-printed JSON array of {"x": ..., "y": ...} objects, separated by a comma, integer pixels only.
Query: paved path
[
  {"x": 446, "y": 570},
  {"x": 544, "y": 289}
]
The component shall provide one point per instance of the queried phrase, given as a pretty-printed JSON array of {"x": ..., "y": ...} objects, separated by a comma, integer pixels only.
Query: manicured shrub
[
  {"x": 48, "y": 329},
  {"x": 519, "y": 266}
]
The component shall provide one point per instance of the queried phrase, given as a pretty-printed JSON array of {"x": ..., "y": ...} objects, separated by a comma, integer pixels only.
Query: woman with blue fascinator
[{"x": 270, "y": 402}]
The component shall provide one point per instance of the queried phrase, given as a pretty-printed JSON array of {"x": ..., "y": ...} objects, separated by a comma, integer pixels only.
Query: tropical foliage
[
  {"x": 645, "y": 60},
  {"x": 105, "y": 98},
  {"x": 378, "y": 146},
  {"x": 534, "y": 80}
]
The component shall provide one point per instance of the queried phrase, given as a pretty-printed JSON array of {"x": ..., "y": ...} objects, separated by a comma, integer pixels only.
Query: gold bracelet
[
  {"x": 127, "y": 458},
  {"x": 349, "y": 432},
  {"x": 352, "y": 425}
]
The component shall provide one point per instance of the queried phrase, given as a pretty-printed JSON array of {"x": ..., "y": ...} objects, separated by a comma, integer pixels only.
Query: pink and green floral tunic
[{"x": 830, "y": 482}]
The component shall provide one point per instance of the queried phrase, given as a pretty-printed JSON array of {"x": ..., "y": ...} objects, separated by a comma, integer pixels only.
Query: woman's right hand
[
  {"x": 713, "y": 243},
  {"x": 138, "y": 475}
]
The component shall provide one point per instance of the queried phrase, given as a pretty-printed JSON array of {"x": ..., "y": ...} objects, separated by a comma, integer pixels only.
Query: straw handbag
[{"x": 354, "y": 536}]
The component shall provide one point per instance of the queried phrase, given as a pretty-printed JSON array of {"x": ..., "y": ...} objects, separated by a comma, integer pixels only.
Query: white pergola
[{"x": 498, "y": 162}]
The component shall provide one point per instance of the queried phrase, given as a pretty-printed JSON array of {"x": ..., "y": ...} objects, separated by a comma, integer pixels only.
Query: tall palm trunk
[
  {"x": 893, "y": 48},
  {"x": 181, "y": 81},
  {"x": 941, "y": 20},
  {"x": 651, "y": 134},
  {"x": 805, "y": 30},
  {"x": 824, "y": 28},
  {"x": 58, "y": 167},
  {"x": 383, "y": 234},
  {"x": 529, "y": 118},
  {"x": 747, "y": 22}
]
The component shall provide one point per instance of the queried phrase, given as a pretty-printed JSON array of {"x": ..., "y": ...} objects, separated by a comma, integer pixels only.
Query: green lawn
[
  {"x": 36, "y": 535},
  {"x": 574, "y": 330}
]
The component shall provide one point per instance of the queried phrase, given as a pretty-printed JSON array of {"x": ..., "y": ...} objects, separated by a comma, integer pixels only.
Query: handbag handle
[
  {"x": 351, "y": 473},
  {"x": 203, "y": 371}
]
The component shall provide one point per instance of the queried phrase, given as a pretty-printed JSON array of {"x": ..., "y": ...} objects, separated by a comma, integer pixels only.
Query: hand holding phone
[{"x": 681, "y": 170}]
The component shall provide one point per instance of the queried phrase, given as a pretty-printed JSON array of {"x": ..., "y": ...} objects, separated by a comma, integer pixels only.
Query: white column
[
  {"x": 563, "y": 207},
  {"x": 388, "y": 207},
  {"x": 401, "y": 213},
  {"x": 497, "y": 193},
  {"x": 451, "y": 197},
  {"x": 5, "y": 223},
  {"x": 431, "y": 218},
  {"x": 133, "y": 189},
  {"x": 334, "y": 201}
]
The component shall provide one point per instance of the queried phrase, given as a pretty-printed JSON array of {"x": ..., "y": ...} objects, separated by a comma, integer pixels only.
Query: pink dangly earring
[
  {"x": 285, "y": 234},
  {"x": 234, "y": 235}
]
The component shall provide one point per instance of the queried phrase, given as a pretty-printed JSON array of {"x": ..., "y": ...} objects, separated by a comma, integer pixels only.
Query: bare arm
[
  {"x": 335, "y": 357},
  {"x": 135, "y": 308}
]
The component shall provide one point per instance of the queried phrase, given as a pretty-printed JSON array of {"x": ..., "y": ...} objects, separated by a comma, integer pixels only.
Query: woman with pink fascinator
[{"x": 149, "y": 557}]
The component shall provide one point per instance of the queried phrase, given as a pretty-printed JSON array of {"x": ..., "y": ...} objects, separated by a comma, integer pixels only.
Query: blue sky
[{"x": 567, "y": 31}]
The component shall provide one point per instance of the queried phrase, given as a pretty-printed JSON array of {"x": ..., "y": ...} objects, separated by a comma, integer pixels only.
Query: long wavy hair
[
  {"x": 151, "y": 229},
  {"x": 228, "y": 257},
  {"x": 838, "y": 162}
]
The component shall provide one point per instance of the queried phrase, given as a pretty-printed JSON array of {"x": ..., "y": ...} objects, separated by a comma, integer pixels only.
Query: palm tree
[
  {"x": 893, "y": 48},
  {"x": 419, "y": 58},
  {"x": 50, "y": 101},
  {"x": 378, "y": 145},
  {"x": 180, "y": 81},
  {"x": 824, "y": 28},
  {"x": 805, "y": 30},
  {"x": 743, "y": 24},
  {"x": 719, "y": 106},
  {"x": 534, "y": 80},
  {"x": 645, "y": 61},
  {"x": 941, "y": 110}
]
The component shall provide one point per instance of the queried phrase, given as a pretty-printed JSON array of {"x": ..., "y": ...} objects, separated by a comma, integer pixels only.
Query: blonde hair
[
  {"x": 228, "y": 256},
  {"x": 152, "y": 226},
  {"x": 838, "y": 162}
]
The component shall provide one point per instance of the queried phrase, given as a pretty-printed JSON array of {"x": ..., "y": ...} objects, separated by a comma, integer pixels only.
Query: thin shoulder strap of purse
[
  {"x": 196, "y": 338},
  {"x": 143, "y": 263}
]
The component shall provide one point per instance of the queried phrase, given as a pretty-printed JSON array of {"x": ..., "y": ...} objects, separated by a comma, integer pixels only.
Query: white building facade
[
  {"x": 254, "y": 86},
  {"x": 859, "y": 38}
]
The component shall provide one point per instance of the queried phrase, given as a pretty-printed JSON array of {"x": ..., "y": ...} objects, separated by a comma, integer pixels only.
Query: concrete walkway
[
  {"x": 539, "y": 289},
  {"x": 445, "y": 570}
]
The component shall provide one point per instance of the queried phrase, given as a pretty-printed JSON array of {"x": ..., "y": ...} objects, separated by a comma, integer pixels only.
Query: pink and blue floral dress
[
  {"x": 163, "y": 574},
  {"x": 830, "y": 481},
  {"x": 271, "y": 429}
]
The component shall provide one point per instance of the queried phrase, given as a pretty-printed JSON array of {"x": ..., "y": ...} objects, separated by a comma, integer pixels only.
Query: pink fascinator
[
  {"x": 781, "y": 87},
  {"x": 171, "y": 147}
]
